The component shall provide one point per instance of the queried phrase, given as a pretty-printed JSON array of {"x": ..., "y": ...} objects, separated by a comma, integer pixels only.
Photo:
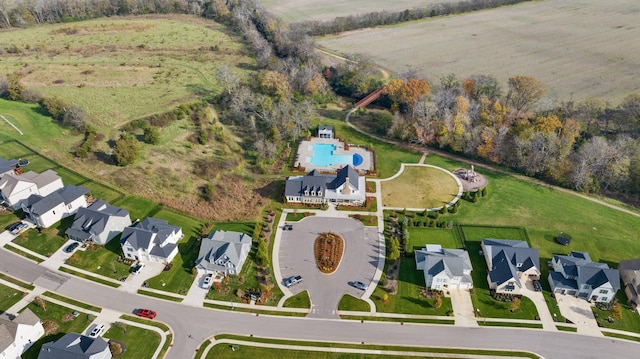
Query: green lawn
[
  {"x": 8, "y": 297},
  {"x": 72, "y": 301},
  {"x": 630, "y": 321},
  {"x": 54, "y": 314},
  {"x": 408, "y": 299},
  {"x": 16, "y": 281},
  {"x": 179, "y": 278},
  {"x": 419, "y": 187},
  {"x": 419, "y": 237},
  {"x": 606, "y": 234},
  {"x": 300, "y": 300},
  {"x": 139, "y": 208},
  {"x": 296, "y": 216},
  {"x": 101, "y": 260},
  {"x": 39, "y": 130},
  {"x": 140, "y": 343},
  {"x": 353, "y": 304},
  {"x": 8, "y": 218},
  {"x": 48, "y": 241}
]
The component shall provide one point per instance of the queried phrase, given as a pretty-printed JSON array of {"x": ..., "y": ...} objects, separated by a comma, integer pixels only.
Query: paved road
[{"x": 201, "y": 323}]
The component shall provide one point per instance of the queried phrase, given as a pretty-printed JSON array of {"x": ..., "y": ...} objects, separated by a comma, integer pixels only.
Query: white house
[
  {"x": 76, "y": 346},
  {"x": 444, "y": 268},
  {"x": 151, "y": 240},
  {"x": 511, "y": 264},
  {"x": 325, "y": 131},
  {"x": 17, "y": 335},
  {"x": 223, "y": 252},
  {"x": 580, "y": 277},
  {"x": 15, "y": 188},
  {"x": 344, "y": 187},
  {"x": 47, "y": 211},
  {"x": 99, "y": 223}
]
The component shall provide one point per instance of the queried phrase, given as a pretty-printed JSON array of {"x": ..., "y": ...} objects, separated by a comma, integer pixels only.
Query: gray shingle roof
[
  {"x": 75, "y": 346},
  {"x": 151, "y": 233},
  {"x": 451, "y": 261},
  {"x": 559, "y": 281},
  {"x": 7, "y": 165},
  {"x": 579, "y": 265},
  {"x": 314, "y": 182},
  {"x": 64, "y": 195},
  {"x": 9, "y": 328},
  {"x": 94, "y": 219},
  {"x": 220, "y": 247}
]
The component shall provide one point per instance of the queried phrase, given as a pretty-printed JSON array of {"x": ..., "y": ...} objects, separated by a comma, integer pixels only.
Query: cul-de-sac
[{"x": 319, "y": 178}]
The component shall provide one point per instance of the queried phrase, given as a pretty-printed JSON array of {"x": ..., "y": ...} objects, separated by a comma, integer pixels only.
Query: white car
[
  {"x": 206, "y": 282},
  {"x": 96, "y": 331},
  {"x": 137, "y": 268}
]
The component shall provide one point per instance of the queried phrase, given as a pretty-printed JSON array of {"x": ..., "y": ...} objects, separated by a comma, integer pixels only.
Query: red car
[{"x": 146, "y": 313}]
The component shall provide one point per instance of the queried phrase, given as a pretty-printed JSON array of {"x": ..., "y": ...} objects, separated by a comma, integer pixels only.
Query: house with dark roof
[
  {"x": 7, "y": 166},
  {"x": 345, "y": 187},
  {"x": 14, "y": 188},
  {"x": 17, "y": 335},
  {"x": 151, "y": 240},
  {"x": 511, "y": 264},
  {"x": 75, "y": 346},
  {"x": 62, "y": 203},
  {"x": 99, "y": 223},
  {"x": 577, "y": 275},
  {"x": 444, "y": 268},
  {"x": 223, "y": 252},
  {"x": 630, "y": 275}
]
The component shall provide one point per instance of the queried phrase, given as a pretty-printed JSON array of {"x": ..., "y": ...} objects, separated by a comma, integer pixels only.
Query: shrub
[
  {"x": 126, "y": 150},
  {"x": 152, "y": 135}
]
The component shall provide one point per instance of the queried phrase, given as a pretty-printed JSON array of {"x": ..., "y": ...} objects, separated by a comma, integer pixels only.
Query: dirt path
[
  {"x": 454, "y": 157},
  {"x": 385, "y": 73}
]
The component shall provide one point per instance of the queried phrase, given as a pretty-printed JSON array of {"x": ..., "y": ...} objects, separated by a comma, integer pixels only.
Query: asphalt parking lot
[{"x": 359, "y": 261}]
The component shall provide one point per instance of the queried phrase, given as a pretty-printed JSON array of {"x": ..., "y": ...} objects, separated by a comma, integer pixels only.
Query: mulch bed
[{"x": 328, "y": 250}]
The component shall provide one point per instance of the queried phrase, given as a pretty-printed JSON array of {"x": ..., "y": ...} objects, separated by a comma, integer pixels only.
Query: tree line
[
  {"x": 587, "y": 145},
  {"x": 382, "y": 18}
]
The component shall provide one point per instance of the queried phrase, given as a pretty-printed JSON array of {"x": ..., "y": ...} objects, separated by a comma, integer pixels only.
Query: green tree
[
  {"x": 15, "y": 87},
  {"x": 126, "y": 150},
  {"x": 152, "y": 135},
  {"x": 55, "y": 106},
  {"x": 524, "y": 91}
]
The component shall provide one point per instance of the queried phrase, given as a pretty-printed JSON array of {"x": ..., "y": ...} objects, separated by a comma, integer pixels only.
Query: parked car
[
  {"x": 537, "y": 286},
  {"x": 145, "y": 313},
  {"x": 206, "y": 282},
  {"x": 19, "y": 228},
  {"x": 13, "y": 226},
  {"x": 137, "y": 268},
  {"x": 71, "y": 247},
  {"x": 360, "y": 285},
  {"x": 96, "y": 331},
  {"x": 292, "y": 280}
]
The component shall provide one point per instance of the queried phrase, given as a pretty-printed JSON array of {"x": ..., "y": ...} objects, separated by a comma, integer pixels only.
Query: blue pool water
[{"x": 323, "y": 156}]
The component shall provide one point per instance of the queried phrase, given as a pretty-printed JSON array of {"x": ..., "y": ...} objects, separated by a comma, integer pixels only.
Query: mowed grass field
[
  {"x": 302, "y": 10},
  {"x": 419, "y": 187},
  {"x": 119, "y": 69},
  {"x": 578, "y": 48}
]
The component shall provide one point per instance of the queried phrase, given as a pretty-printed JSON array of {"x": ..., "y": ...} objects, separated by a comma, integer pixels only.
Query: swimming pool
[{"x": 323, "y": 156}]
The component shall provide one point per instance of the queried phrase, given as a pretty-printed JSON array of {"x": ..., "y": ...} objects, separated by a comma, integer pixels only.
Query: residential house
[
  {"x": 15, "y": 188},
  {"x": 7, "y": 166},
  {"x": 75, "y": 346},
  {"x": 444, "y": 268},
  {"x": 630, "y": 275},
  {"x": 580, "y": 277},
  {"x": 17, "y": 335},
  {"x": 223, "y": 252},
  {"x": 99, "y": 223},
  {"x": 344, "y": 187},
  {"x": 325, "y": 132},
  {"x": 151, "y": 240},
  {"x": 46, "y": 211},
  {"x": 511, "y": 264}
]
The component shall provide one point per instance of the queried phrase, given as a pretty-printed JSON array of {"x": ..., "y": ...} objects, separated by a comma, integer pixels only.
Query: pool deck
[{"x": 305, "y": 153}]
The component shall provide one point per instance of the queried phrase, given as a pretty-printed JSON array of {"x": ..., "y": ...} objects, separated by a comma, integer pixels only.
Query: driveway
[
  {"x": 541, "y": 305},
  {"x": 359, "y": 261},
  {"x": 579, "y": 312},
  {"x": 462, "y": 308}
]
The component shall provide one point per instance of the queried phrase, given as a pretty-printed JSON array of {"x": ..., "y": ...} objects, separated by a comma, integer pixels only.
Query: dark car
[
  {"x": 292, "y": 280},
  {"x": 537, "y": 286},
  {"x": 71, "y": 247},
  {"x": 146, "y": 313},
  {"x": 19, "y": 228},
  {"x": 360, "y": 285}
]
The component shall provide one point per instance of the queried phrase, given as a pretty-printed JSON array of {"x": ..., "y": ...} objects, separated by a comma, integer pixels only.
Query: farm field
[
  {"x": 302, "y": 10},
  {"x": 119, "y": 69},
  {"x": 578, "y": 48}
]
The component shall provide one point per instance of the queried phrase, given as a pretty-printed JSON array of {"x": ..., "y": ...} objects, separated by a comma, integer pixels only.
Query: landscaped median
[{"x": 235, "y": 346}]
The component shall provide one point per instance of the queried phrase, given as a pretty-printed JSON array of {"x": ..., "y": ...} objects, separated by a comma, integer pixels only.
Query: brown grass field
[
  {"x": 578, "y": 48},
  {"x": 302, "y": 10},
  {"x": 419, "y": 187}
]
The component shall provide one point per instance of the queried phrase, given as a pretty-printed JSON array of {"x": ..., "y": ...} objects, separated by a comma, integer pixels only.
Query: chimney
[{"x": 347, "y": 189}]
